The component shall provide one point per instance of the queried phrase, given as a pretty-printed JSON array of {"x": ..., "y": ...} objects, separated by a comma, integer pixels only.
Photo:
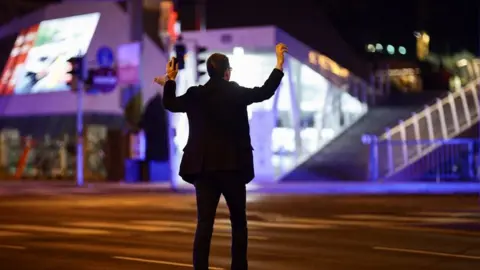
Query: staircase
[
  {"x": 346, "y": 158},
  {"x": 445, "y": 119}
]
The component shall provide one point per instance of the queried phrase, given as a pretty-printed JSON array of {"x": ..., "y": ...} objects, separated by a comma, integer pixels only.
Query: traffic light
[
  {"x": 180, "y": 51},
  {"x": 75, "y": 71},
  {"x": 76, "y": 67},
  {"x": 200, "y": 61}
]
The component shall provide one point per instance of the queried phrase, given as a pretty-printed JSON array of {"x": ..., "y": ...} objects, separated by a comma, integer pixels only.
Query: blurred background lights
[
  {"x": 379, "y": 47},
  {"x": 238, "y": 51},
  {"x": 402, "y": 50},
  {"x": 370, "y": 48},
  {"x": 390, "y": 49}
]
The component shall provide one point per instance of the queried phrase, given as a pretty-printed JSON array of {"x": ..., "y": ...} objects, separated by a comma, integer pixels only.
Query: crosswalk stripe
[
  {"x": 224, "y": 224},
  {"x": 48, "y": 229},
  {"x": 179, "y": 224},
  {"x": 449, "y": 214},
  {"x": 12, "y": 247},
  {"x": 125, "y": 226},
  {"x": 336, "y": 222},
  {"x": 279, "y": 225},
  {"x": 9, "y": 233},
  {"x": 251, "y": 237},
  {"x": 437, "y": 220},
  {"x": 161, "y": 262},
  {"x": 431, "y": 253}
]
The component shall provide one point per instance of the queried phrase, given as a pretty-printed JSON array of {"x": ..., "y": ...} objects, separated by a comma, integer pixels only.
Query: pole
[
  {"x": 80, "y": 94},
  {"x": 200, "y": 10},
  {"x": 135, "y": 12},
  {"x": 477, "y": 67},
  {"x": 478, "y": 32}
]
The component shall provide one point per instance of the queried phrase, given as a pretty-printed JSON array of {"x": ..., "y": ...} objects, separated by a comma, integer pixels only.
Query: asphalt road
[{"x": 155, "y": 231}]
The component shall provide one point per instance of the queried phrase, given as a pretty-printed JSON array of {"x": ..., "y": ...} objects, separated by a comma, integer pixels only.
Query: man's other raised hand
[{"x": 280, "y": 51}]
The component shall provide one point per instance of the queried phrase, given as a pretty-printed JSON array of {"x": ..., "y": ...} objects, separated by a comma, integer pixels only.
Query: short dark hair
[{"x": 217, "y": 64}]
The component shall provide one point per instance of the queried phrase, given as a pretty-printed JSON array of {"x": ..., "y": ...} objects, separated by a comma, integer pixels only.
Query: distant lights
[
  {"x": 325, "y": 63},
  {"x": 390, "y": 49},
  {"x": 370, "y": 48},
  {"x": 462, "y": 63}
]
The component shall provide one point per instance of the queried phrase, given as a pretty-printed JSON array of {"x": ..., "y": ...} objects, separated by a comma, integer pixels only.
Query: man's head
[{"x": 218, "y": 66}]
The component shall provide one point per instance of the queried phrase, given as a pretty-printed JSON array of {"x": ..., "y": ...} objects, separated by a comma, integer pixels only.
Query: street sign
[
  {"x": 105, "y": 57},
  {"x": 104, "y": 79}
]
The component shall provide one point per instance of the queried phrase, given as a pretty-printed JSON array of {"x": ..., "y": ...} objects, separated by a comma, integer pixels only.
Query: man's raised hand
[
  {"x": 280, "y": 51},
  {"x": 171, "y": 74},
  {"x": 172, "y": 69},
  {"x": 160, "y": 80}
]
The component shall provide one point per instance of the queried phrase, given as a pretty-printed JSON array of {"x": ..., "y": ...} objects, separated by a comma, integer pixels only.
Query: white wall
[
  {"x": 113, "y": 30},
  {"x": 248, "y": 38}
]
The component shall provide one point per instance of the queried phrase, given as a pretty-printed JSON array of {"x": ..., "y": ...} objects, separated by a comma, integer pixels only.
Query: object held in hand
[{"x": 160, "y": 80}]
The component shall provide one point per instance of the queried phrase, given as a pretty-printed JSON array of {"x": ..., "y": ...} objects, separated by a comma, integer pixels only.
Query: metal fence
[
  {"x": 445, "y": 119},
  {"x": 450, "y": 160},
  {"x": 411, "y": 140}
]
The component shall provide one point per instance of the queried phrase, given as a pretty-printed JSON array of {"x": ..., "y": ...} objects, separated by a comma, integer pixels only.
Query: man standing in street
[{"x": 218, "y": 157}]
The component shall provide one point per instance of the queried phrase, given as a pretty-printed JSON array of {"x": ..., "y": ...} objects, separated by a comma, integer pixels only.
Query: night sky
[{"x": 452, "y": 25}]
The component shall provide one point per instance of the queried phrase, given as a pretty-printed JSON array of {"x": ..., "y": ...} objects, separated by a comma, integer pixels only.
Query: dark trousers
[{"x": 208, "y": 189}]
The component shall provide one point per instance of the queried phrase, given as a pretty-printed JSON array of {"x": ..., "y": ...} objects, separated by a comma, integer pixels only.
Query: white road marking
[
  {"x": 224, "y": 224},
  {"x": 160, "y": 262},
  {"x": 425, "y": 252},
  {"x": 251, "y": 237},
  {"x": 47, "y": 229},
  {"x": 8, "y": 233},
  {"x": 250, "y": 214},
  {"x": 12, "y": 247},
  {"x": 437, "y": 220},
  {"x": 279, "y": 225},
  {"x": 124, "y": 226},
  {"x": 450, "y": 214},
  {"x": 179, "y": 224},
  {"x": 337, "y": 223},
  {"x": 155, "y": 226}
]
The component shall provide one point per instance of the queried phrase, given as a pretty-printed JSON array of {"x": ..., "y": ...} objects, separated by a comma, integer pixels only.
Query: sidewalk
[
  {"x": 366, "y": 188},
  {"x": 30, "y": 187},
  {"x": 15, "y": 187}
]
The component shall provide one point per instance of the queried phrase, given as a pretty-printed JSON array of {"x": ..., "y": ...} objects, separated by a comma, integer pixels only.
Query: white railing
[
  {"x": 445, "y": 119},
  {"x": 452, "y": 160}
]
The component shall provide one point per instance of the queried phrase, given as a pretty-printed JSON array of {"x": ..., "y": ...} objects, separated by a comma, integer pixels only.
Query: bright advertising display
[{"x": 38, "y": 60}]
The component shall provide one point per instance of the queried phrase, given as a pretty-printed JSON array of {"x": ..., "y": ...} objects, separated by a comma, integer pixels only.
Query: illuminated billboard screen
[{"x": 38, "y": 60}]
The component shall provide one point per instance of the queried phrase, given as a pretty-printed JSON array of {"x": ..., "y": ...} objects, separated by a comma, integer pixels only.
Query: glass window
[{"x": 307, "y": 112}]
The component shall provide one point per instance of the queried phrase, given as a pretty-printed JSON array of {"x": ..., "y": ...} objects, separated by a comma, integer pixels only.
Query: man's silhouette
[{"x": 218, "y": 156}]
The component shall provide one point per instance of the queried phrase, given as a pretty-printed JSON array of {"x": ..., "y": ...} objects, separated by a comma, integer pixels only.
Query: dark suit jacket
[{"x": 219, "y": 131}]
